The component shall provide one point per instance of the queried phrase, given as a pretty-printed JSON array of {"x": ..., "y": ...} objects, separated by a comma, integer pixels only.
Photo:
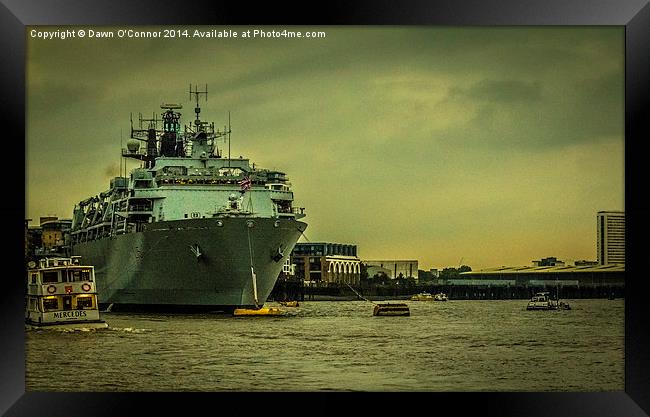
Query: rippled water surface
[{"x": 340, "y": 346}]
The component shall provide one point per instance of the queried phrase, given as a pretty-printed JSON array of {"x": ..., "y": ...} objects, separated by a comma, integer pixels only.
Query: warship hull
[{"x": 212, "y": 264}]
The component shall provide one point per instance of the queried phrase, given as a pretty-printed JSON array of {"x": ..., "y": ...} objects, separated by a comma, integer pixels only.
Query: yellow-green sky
[{"x": 496, "y": 145}]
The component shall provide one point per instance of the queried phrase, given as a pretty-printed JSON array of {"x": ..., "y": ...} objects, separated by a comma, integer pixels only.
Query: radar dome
[{"x": 133, "y": 145}]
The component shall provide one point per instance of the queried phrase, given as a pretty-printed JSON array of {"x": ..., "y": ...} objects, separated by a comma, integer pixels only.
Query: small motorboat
[
  {"x": 542, "y": 301},
  {"x": 423, "y": 296},
  {"x": 441, "y": 296}
]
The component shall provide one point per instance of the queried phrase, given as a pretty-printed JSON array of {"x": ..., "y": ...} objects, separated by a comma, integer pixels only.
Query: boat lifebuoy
[
  {"x": 51, "y": 289},
  {"x": 85, "y": 286}
]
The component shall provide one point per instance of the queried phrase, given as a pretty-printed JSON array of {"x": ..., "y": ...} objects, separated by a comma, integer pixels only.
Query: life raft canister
[
  {"x": 85, "y": 286},
  {"x": 51, "y": 289}
]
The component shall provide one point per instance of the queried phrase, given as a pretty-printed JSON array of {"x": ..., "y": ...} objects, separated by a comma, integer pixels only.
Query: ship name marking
[{"x": 69, "y": 314}]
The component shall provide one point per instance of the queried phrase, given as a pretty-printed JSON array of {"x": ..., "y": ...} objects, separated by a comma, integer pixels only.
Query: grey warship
[{"x": 191, "y": 228}]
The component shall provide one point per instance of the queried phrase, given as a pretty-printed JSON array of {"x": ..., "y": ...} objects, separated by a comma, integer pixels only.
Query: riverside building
[
  {"x": 49, "y": 237},
  {"x": 324, "y": 262},
  {"x": 396, "y": 268},
  {"x": 610, "y": 243},
  {"x": 531, "y": 276}
]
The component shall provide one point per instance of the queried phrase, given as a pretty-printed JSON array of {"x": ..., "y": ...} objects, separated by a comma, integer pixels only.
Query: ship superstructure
[{"x": 190, "y": 227}]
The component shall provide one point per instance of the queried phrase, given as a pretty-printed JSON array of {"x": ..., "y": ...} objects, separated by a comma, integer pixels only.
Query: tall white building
[{"x": 611, "y": 237}]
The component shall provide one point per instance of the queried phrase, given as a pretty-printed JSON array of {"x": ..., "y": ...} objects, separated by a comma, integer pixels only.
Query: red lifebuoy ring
[
  {"x": 85, "y": 286},
  {"x": 51, "y": 289}
]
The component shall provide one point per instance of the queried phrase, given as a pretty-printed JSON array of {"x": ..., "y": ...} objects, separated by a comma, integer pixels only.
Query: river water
[{"x": 339, "y": 346}]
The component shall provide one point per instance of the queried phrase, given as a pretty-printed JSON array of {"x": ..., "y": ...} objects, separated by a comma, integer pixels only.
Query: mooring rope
[
  {"x": 359, "y": 295},
  {"x": 304, "y": 235},
  {"x": 250, "y": 251}
]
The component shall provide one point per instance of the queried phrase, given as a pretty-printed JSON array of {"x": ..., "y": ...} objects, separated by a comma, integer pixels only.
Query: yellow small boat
[
  {"x": 289, "y": 303},
  {"x": 265, "y": 311},
  {"x": 423, "y": 296}
]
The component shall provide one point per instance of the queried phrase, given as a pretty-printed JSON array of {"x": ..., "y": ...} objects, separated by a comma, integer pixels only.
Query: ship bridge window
[
  {"x": 283, "y": 206},
  {"x": 51, "y": 303},
  {"x": 175, "y": 170},
  {"x": 51, "y": 276}
]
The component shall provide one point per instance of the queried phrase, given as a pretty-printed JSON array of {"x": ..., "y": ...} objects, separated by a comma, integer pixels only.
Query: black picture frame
[{"x": 634, "y": 15}]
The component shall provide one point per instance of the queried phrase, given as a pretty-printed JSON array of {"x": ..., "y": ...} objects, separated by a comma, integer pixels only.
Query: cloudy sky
[{"x": 494, "y": 146}]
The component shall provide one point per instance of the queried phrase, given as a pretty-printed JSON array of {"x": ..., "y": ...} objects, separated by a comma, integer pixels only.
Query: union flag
[{"x": 245, "y": 183}]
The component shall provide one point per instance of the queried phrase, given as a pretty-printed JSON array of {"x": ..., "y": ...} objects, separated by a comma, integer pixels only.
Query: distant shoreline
[{"x": 408, "y": 298}]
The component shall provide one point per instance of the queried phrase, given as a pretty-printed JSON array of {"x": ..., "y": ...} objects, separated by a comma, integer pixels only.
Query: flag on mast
[{"x": 245, "y": 183}]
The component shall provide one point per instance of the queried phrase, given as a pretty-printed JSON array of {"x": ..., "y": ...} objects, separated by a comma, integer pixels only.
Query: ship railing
[
  {"x": 297, "y": 212},
  {"x": 198, "y": 180},
  {"x": 140, "y": 207},
  {"x": 140, "y": 154}
]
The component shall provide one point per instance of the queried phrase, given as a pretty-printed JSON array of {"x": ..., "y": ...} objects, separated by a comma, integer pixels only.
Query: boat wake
[
  {"x": 63, "y": 329},
  {"x": 127, "y": 330}
]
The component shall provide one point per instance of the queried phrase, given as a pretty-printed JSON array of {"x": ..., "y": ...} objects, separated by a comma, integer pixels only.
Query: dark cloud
[{"x": 504, "y": 91}]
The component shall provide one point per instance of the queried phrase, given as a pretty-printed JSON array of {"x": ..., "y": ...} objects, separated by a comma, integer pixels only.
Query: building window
[{"x": 314, "y": 264}]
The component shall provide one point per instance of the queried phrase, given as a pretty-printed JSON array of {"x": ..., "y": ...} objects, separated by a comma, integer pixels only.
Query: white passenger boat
[
  {"x": 423, "y": 296},
  {"x": 441, "y": 296},
  {"x": 61, "y": 294},
  {"x": 542, "y": 301}
]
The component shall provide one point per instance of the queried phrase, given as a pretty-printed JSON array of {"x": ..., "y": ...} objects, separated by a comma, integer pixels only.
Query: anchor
[{"x": 196, "y": 250}]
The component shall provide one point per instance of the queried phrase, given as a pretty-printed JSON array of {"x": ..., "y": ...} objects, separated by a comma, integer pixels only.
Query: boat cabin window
[
  {"x": 84, "y": 302},
  {"x": 34, "y": 278},
  {"x": 50, "y": 276},
  {"x": 32, "y": 303},
  {"x": 51, "y": 303},
  {"x": 77, "y": 275}
]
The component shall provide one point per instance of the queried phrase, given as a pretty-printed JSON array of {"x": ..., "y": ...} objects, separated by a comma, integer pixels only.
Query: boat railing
[
  {"x": 140, "y": 207},
  {"x": 50, "y": 262}
]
